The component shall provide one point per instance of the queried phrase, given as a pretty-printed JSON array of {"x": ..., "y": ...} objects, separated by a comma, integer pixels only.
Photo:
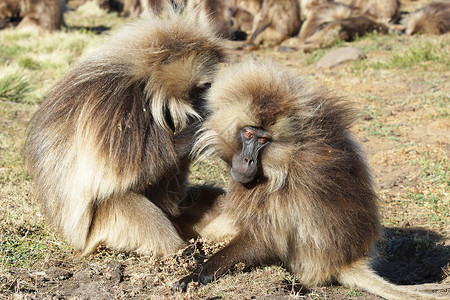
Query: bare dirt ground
[{"x": 404, "y": 128}]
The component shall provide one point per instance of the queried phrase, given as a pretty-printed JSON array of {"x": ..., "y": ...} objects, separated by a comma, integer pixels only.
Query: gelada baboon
[
  {"x": 433, "y": 18},
  {"x": 109, "y": 147},
  {"x": 111, "y": 5},
  {"x": 301, "y": 192},
  {"x": 330, "y": 22},
  {"x": 276, "y": 21},
  {"x": 388, "y": 10},
  {"x": 307, "y": 6},
  {"x": 252, "y": 6},
  {"x": 242, "y": 13},
  {"x": 132, "y": 8},
  {"x": 325, "y": 13},
  {"x": 45, "y": 14},
  {"x": 9, "y": 13}
]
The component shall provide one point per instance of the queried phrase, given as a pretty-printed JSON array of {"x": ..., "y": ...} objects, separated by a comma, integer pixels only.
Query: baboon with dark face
[
  {"x": 301, "y": 192},
  {"x": 433, "y": 18},
  {"x": 276, "y": 21},
  {"x": 108, "y": 149}
]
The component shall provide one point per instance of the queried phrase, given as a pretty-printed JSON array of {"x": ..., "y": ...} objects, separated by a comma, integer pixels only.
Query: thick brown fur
[
  {"x": 433, "y": 18},
  {"x": 108, "y": 149},
  {"x": 312, "y": 204},
  {"x": 385, "y": 10},
  {"x": 45, "y": 14},
  {"x": 276, "y": 21}
]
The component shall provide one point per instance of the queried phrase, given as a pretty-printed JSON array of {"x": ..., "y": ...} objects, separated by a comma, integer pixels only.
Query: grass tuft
[
  {"x": 14, "y": 85},
  {"x": 417, "y": 56}
]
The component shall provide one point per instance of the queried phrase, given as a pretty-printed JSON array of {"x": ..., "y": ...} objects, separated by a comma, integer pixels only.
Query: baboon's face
[{"x": 244, "y": 165}]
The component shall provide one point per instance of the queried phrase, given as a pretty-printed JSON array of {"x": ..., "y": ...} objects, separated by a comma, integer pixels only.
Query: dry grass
[{"x": 402, "y": 91}]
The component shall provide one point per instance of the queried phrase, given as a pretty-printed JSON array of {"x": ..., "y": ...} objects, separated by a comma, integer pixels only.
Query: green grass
[
  {"x": 31, "y": 61},
  {"x": 24, "y": 247},
  {"x": 421, "y": 55},
  {"x": 15, "y": 85},
  {"x": 417, "y": 56}
]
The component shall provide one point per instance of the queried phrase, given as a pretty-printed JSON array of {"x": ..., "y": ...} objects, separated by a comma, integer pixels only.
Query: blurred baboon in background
[
  {"x": 242, "y": 15},
  {"x": 276, "y": 21},
  {"x": 108, "y": 149},
  {"x": 324, "y": 13},
  {"x": 242, "y": 20},
  {"x": 252, "y": 6},
  {"x": 111, "y": 5},
  {"x": 386, "y": 10},
  {"x": 9, "y": 13},
  {"x": 216, "y": 12},
  {"x": 307, "y": 6},
  {"x": 433, "y": 18},
  {"x": 330, "y": 22},
  {"x": 45, "y": 14},
  {"x": 131, "y": 8},
  {"x": 300, "y": 191}
]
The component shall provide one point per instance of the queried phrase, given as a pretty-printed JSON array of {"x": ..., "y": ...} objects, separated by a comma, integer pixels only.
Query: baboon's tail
[{"x": 360, "y": 275}]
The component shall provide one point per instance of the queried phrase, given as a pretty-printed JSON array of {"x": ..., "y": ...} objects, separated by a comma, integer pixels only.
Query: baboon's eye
[
  {"x": 248, "y": 134},
  {"x": 262, "y": 140}
]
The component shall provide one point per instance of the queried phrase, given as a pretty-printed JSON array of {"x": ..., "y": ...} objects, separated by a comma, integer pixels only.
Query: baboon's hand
[{"x": 182, "y": 284}]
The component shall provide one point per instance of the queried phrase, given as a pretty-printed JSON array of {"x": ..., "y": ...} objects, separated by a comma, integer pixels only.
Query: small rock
[
  {"x": 92, "y": 290},
  {"x": 55, "y": 273},
  {"x": 337, "y": 56},
  {"x": 83, "y": 275},
  {"x": 367, "y": 117},
  {"x": 115, "y": 272},
  {"x": 285, "y": 49}
]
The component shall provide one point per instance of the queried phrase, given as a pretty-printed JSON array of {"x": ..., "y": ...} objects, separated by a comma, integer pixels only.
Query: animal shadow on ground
[
  {"x": 406, "y": 257},
  {"x": 412, "y": 256}
]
